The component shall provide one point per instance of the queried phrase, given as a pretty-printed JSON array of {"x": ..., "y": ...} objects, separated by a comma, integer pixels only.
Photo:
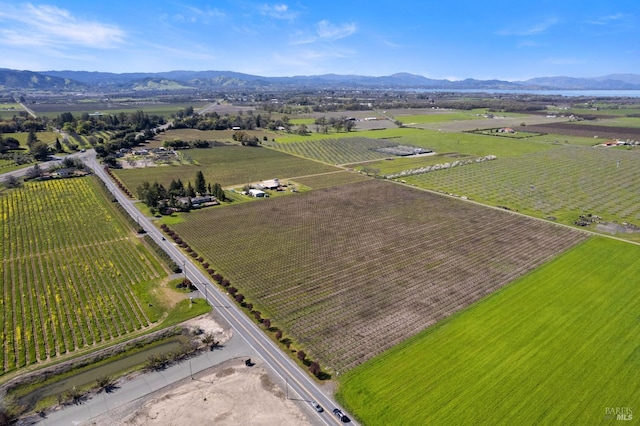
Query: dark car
[{"x": 339, "y": 414}]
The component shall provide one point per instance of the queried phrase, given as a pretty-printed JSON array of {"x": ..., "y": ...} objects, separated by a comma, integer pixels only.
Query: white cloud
[
  {"x": 278, "y": 11},
  {"x": 204, "y": 15},
  {"x": 604, "y": 20},
  {"x": 328, "y": 31},
  {"x": 51, "y": 26},
  {"x": 530, "y": 30}
]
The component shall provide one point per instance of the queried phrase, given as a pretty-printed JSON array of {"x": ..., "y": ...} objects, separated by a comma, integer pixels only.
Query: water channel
[{"x": 86, "y": 377}]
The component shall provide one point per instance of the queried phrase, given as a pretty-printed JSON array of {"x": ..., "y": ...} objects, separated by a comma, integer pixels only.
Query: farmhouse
[
  {"x": 269, "y": 184},
  {"x": 257, "y": 193},
  {"x": 200, "y": 201},
  {"x": 506, "y": 130},
  {"x": 204, "y": 200}
]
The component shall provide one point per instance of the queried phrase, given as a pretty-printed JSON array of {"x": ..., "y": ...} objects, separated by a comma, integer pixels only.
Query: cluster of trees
[
  {"x": 122, "y": 139},
  {"x": 22, "y": 123},
  {"x": 180, "y": 144},
  {"x": 38, "y": 149},
  {"x": 85, "y": 124},
  {"x": 337, "y": 123},
  {"x": 215, "y": 121},
  {"x": 8, "y": 143},
  {"x": 156, "y": 196},
  {"x": 245, "y": 139}
]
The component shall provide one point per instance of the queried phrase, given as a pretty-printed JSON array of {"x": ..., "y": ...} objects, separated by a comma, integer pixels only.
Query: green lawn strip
[
  {"x": 307, "y": 121},
  {"x": 558, "y": 345}
]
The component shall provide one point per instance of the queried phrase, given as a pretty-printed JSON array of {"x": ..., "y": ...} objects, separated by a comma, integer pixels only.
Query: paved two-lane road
[{"x": 299, "y": 383}]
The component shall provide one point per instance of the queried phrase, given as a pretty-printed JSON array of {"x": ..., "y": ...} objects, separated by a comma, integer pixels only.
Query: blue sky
[{"x": 453, "y": 39}]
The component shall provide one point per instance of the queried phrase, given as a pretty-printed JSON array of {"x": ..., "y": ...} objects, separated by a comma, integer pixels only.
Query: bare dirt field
[{"x": 227, "y": 394}]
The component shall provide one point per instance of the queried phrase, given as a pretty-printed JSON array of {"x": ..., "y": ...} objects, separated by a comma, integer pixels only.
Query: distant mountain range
[{"x": 14, "y": 80}]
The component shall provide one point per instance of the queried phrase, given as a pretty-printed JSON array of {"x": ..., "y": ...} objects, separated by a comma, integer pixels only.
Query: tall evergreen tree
[
  {"x": 218, "y": 192},
  {"x": 201, "y": 184},
  {"x": 190, "y": 190}
]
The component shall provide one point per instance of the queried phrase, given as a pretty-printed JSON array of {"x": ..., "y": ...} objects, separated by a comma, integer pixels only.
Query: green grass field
[
  {"x": 227, "y": 165},
  {"x": 46, "y": 137},
  {"x": 557, "y": 346}
]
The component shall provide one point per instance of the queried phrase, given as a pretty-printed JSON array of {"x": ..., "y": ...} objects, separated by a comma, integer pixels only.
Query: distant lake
[{"x": 555, "y": 92}]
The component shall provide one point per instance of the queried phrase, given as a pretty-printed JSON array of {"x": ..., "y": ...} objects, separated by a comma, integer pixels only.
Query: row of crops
[
  {"x": 562, "y": 183},
  {"x": 352, "y": 270},
  {"x": 68, "y": 267},
  {"x": 337, "y": 151}
]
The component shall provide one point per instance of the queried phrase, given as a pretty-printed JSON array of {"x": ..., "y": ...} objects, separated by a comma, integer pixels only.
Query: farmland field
[
  {"x": 563, "y": 182},
  {"x": 326, "y": 180},
  {"x": 558, "y": 346},
  {"x": 354, "y": 147},
  {"x": 352, "y": 270},
  {"x": 616, "y": 122},
  {"x": 69, "y": 267},
  {"x": 8, "y": 110},
  {"x": 227, "y": 165},
  {"x": 204, "y": 135},
  {"x": 598, "y": 131},
  {"x": 435, "y": 117},
  {"x": 337, "y": 150},
  {"x": 151, "y": 108}
]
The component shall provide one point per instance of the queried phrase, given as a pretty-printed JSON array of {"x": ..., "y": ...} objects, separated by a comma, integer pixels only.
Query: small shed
[{"x": 257, "y": 193}]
